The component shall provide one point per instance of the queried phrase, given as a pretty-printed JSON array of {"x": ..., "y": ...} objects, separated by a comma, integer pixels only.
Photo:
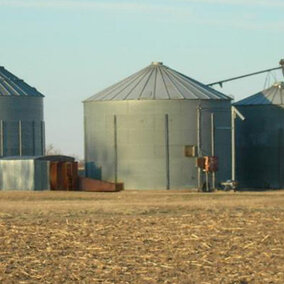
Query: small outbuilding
[{"x": 38, "y": 173}]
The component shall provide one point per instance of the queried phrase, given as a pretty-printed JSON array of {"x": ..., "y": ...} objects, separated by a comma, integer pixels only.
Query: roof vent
[{"x": 157, "y": 63}]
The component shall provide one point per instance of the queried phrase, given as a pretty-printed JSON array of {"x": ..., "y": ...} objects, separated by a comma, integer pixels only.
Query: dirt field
[{"x": 141, "y": 237}]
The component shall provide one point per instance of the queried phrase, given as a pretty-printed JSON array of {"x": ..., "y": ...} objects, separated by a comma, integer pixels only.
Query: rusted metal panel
[
  {"x": 63, "y": 175},
  {"x": 93, "y": 185},
  {"x": 57, "y": 158}
]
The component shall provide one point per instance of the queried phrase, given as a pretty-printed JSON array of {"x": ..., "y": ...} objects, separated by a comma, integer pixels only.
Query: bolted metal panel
[{"x": 141, "y": 156}]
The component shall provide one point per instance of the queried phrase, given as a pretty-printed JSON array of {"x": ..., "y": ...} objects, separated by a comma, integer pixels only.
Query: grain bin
[
  {"x": 21, "y": 117},
  {"x": 137, "y": 130},
  {"x": 260, "y": 139}
]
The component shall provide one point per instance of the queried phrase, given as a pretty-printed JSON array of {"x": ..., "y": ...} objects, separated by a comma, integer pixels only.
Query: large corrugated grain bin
[
  {"x": 260, "y": 139},
  {"x": 138, "y": 130}
]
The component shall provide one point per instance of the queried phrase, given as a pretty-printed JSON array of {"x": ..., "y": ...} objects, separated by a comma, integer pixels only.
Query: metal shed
[
  {"x": 38, "y": 173},
  {"x": 136, "y": 131},
  {"x": 24, "y": 173},
  {"x": 21, "y": 117},
  {"x": 260, "y": 139}
]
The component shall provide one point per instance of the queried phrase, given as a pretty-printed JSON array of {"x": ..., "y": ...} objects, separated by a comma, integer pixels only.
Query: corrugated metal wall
[
  {"x": 127, "y": 141},
  {"x": 260, "y": 147},
  {"x": 22, "y": 130},
  {"x": 28, "y": 174}
]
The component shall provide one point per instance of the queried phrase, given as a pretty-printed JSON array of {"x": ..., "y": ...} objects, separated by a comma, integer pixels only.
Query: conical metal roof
[
  {"x": 10, "y": 85},
  {"x": 158, "y": 82},
  {"x": 271, "y": 96}
]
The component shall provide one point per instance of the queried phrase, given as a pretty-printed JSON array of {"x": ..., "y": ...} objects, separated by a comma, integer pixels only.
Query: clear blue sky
[{"x": 69, "y": 50}]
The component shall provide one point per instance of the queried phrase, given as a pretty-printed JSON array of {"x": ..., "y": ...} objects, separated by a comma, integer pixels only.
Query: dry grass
[{"x": 141, "y": 237}]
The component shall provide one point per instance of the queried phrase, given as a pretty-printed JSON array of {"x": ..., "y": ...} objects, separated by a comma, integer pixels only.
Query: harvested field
[{"x": 141, "y": 237}]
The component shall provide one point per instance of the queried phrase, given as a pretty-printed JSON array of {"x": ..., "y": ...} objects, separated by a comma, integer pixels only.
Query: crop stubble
[{"x": 141, "y": 237}]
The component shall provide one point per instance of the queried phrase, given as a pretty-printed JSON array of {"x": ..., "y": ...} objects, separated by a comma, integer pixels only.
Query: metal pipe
[
  {"x": 198, "y": 111},
  {"x": 2, "y": 137},
  {"x": 280, "y": 138},
  {"x": 220, "y": 83},
  {"x": 207, "y": 182},
  {"x": 85, "y": 147},
  {"x": 167, "y": 144},
  {"x": 34, "y": 142},
  {"x": 115, "y": 150},
  {"x": 42, "y": 126},
  {"x": 233, "y": 117},
  {"x": 20, "y": 138},
  {"x": 282, "y": 65},
  {"x": 213, "y": 147},
  {"x": 234, "y": 114}
]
